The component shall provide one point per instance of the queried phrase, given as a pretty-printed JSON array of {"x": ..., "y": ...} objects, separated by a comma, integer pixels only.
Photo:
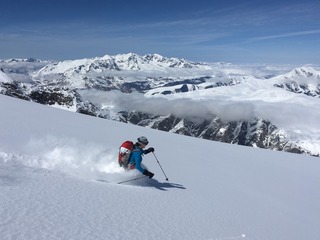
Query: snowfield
[{"x": 57, "y": 170}]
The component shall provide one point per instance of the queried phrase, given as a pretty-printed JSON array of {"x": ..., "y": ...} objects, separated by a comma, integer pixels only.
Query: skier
[{"x": 136, "y": 156}]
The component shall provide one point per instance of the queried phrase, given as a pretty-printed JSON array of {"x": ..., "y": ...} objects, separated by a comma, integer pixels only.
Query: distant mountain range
[{"x": 264, "y": 106}]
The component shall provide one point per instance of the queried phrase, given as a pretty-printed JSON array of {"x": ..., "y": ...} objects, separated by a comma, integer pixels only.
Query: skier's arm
[{"x": 151, "y": 149}]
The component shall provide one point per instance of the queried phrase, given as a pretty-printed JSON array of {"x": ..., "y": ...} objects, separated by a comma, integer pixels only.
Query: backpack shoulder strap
[{"x": 136, "y": 149}]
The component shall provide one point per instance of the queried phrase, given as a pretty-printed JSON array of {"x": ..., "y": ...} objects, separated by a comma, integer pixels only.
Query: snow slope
[{"x": 54, "y": 165}]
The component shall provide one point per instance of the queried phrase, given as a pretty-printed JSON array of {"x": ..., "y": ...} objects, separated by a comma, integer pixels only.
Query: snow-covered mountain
[
  {"x": 97, "y": 71},
  {"x": 304, "y": 80},
  {"x": 262, "y": 106},
  {"x": 57, "y": 170}
]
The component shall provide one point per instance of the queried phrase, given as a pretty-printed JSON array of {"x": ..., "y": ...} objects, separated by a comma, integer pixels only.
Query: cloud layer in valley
[{"x": 298, "y": 117}]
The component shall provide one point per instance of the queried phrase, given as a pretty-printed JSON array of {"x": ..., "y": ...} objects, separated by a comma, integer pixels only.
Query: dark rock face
[
  {"x": 300, "y": 88},
  {"x": 14, "y": 89},
  {"x": 256, "y": 133},
  {"x": 51, "y": 97}
]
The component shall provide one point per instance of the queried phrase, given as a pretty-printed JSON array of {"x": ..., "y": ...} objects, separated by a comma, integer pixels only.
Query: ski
[
  {"x": 121, "y": 182},
  {"x": 130, "y": 180}
]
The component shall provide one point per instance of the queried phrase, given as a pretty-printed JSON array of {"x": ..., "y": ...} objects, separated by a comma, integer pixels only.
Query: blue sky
[{"x": 251, "y": 31}]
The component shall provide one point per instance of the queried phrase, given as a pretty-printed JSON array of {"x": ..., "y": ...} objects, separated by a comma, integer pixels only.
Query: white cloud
[
  {"x": 298, "y": 118},
  {"x": 291, "y": 34}
]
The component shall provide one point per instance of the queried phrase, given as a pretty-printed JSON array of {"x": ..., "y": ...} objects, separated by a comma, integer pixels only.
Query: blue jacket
[{"x": 136, "y": 158}]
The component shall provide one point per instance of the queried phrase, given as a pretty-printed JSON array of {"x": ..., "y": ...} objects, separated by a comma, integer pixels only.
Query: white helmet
[{"x": 143, "y": 140}]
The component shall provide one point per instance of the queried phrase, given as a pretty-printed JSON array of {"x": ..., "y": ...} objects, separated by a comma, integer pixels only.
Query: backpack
[{"x": 125, "y": 151}]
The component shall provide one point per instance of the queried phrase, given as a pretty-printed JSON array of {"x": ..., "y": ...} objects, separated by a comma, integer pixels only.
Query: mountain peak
[
  {"x": 302, "y": 75},
  {"x": 305, "y": 71},
  {"x": 105, "y": 57}
]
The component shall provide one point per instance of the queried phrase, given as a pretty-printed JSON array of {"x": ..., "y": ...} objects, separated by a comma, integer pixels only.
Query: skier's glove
[
  {"x": 147, "y": 173},
  {"x": 149, "y": 150}
]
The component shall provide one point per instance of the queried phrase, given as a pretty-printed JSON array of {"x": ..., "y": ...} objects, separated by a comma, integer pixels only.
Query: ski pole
[{"x": 160, "y": 167}]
